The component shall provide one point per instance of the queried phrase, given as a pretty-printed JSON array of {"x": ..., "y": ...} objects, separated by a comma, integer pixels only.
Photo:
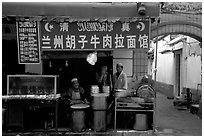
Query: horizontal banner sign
[{"x": 94, "y": 35}]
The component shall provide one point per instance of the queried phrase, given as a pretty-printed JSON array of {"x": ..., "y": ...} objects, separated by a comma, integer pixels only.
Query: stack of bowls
[{"x": 94, "y": 89}]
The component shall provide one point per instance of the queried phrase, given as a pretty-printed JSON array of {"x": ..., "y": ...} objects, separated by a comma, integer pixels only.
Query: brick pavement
[{"x": 171, "y": 121}]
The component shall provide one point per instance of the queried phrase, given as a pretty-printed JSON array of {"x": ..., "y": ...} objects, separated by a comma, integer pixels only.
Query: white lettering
[
  {"x": 70, "y": 41},
  {"x": 46, "y": 40},
  {"x": 27, "y": 24},
  {"x": 131, "y": 41},
  {"x": 64, "y": 27},
  {"x": 125, "y": 27},
  {"x": 119, "y": 41},
  {"x": 95, "y": 26},
  {"x": 107, "y": 41},
  {"x": 58, "y": 41},
  {"x": 143, "y": 40},
  {"x": 94, "y": 40},
  {"x": 82, "y": 41}
]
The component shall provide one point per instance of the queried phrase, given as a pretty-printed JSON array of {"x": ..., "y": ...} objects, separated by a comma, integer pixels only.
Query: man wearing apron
[{"x": 76, "y": 93}]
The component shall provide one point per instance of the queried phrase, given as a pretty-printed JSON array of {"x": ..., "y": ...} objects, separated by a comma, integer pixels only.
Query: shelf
[
  {"x": 135, "y": 105},
  {"x": 134, "y": 110}
]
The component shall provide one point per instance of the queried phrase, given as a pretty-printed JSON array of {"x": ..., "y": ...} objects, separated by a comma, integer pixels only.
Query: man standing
[
  {"x": 103, "y": 78},
  {"x": 120, "y": 78},
  {"x": 120, "y": 82}
]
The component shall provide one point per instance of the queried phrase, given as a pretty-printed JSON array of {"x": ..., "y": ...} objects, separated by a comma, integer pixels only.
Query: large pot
[
  {"x": 122, "y": 93},
  {"x": 79, "y": 117}
]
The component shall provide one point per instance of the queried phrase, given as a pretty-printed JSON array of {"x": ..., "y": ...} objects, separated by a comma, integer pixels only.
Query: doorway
[
  {"x": 178, "y": 72},
  {"x": 70, "y": 65}
]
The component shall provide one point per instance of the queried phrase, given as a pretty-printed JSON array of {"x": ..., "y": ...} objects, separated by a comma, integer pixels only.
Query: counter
[
  {"x": 28, "y": 99},
  {"x": 19, "y": 111}
]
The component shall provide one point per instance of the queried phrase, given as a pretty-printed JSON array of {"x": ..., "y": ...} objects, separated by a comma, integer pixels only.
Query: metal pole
[
  {"x": 155, "y": 70},
  {"x": 201, "y": 64},
  {"x": 155, "y": 65}
]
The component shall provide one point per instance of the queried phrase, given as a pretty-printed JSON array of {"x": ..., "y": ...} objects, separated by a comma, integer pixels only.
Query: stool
[{"x": 194, "y": 108}]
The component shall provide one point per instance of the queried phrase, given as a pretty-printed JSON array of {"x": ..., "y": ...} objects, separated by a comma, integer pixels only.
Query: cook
[
  {"x": 75, "y": 93},
  {"x": 120, "y": 78}
]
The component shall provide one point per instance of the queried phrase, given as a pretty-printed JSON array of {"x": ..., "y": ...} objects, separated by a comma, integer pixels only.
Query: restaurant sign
[
  {"x": 94, "y": 35},
  {"x": 28, "y": 42}
]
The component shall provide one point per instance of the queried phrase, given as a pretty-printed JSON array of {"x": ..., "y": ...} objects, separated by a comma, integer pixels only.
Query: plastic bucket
[{"x": 141, "y": 122}]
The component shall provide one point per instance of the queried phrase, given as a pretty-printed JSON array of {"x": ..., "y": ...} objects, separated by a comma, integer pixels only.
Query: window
[
  {"x": 126, "y": 58},
  {"x": 140, "y": 62}
]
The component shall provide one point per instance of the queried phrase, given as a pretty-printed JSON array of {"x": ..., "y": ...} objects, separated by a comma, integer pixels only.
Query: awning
[{"x": 79, "y": 10}]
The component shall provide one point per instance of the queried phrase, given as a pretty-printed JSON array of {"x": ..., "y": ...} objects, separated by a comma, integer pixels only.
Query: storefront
[{"x": 77, "y": 45}]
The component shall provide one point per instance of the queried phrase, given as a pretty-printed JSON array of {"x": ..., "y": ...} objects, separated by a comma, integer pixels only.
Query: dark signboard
[
  {"x": 91, "y": 35},
  {"x": 28, "y": 42}
]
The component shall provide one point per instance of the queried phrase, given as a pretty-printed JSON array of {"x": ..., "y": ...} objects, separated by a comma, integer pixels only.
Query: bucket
[
  {"x": 99, "y": 122},
  {"x": 99, "y": 101},
  {"x": 78, "y": 117},
  {"x": 200, "y": 109},
  {"x": 141, "y": 122}
]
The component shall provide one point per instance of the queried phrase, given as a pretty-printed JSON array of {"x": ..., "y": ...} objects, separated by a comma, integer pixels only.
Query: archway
[
  {"x": 178, "y": 27},
  {"x": 187, "y": 28}
]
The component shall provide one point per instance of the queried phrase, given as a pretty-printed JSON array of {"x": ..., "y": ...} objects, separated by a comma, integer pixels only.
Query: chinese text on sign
[{"x": 95, "y": 35}]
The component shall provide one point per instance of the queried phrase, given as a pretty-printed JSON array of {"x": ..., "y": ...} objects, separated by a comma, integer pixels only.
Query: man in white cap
[
  {"x": 76, "y": 93},
  {"x": 120, "y": 82},
  {"x": 120, "y": 78}
]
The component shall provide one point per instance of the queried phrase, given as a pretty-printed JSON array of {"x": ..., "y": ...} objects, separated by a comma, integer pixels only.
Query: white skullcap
[
  {"x": 120, "y": 64},
  {"x": 74, "y": 79}
]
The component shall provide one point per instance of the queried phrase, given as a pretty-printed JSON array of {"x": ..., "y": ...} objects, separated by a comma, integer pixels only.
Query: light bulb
[
  {"x": 50, "y": 64},
  {"x": 66, "y": 64}
]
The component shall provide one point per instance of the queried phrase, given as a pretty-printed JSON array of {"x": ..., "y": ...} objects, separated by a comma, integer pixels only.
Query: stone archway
[
  {"x": 178, "y": 27},
  {"x": 184, "y": 27}
]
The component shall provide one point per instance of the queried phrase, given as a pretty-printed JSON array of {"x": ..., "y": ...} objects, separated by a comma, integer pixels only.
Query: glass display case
[
  {"x": 28, "y": 95},
  {"x": 31, "y": 85}
]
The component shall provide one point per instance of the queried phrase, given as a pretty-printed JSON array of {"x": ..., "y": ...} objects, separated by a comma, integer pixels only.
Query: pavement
[
  {"x": 173, "y": 121},
  {"x": 170, "y": 121}
]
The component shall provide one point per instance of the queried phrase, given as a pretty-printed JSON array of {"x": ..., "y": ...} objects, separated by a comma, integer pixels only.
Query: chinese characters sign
[
  {"x": 95, "y": 35},
  {"x": 28, "y": 43}
]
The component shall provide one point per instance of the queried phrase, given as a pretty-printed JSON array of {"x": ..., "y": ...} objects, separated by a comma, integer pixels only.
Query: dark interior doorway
[
  {"x": 10, "y": 64},
  {"x": 77, "y": 67}
]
